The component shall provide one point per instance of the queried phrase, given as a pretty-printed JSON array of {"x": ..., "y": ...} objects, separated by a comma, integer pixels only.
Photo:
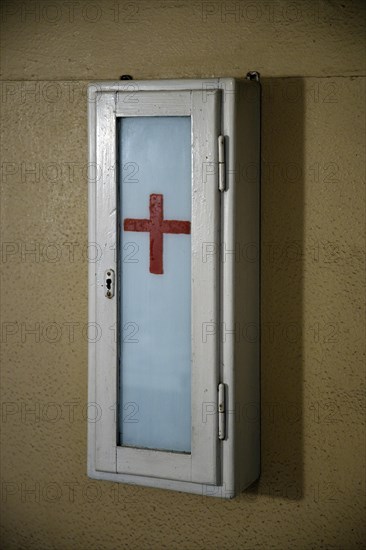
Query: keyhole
[{"x": 109, "y": 283}]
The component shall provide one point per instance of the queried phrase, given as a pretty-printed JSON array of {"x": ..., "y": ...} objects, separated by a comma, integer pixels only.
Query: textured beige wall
[{"x": 312, "y": 490}]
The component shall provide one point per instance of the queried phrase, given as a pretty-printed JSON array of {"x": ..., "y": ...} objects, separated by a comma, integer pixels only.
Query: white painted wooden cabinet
[{"x": 174, "y": 210}]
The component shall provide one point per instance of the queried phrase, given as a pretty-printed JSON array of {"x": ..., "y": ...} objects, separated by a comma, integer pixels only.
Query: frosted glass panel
[{"x": 155, "y": 282}]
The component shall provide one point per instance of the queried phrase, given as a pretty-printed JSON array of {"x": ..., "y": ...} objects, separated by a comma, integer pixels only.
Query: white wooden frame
[
  {"x": 237, "y": 456},
  {"x": 201, "y": 465}
]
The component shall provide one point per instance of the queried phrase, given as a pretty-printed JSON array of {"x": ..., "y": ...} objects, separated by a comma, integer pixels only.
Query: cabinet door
[{"x": 157, "y": 223}]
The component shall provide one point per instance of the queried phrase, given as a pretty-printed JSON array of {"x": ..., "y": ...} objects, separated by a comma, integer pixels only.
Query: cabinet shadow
[{"x": 282, "y": 248}]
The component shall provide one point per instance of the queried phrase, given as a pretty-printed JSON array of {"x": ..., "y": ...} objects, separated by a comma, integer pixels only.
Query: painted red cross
[{"x": 157, "y": 226}]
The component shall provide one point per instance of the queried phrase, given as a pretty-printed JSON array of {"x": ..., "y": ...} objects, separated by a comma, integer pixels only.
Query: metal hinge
[
  {"x": 222, "y": 183},
  {"x": 221, "y": 410}
]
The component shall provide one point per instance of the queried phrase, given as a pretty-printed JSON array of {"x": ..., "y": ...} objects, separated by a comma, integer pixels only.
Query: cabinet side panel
[
  {"x": 247, "y": 284},
  {"x": 91, "y": 269}
]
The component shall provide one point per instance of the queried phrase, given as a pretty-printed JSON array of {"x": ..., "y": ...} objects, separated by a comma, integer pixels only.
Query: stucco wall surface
[{"x": 311, "y": 493}]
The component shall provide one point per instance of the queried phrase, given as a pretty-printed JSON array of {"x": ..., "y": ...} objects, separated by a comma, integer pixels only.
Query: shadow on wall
[{"x": 282, "y": 242}]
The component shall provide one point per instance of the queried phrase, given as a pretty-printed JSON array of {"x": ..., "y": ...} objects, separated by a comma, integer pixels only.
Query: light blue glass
[{"x": 155, "y": 283}]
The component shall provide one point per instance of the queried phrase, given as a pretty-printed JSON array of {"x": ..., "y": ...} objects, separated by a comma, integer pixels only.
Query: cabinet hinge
[
  {"x": 221, "y": 145},
  {"x": 221, "y": 410}
]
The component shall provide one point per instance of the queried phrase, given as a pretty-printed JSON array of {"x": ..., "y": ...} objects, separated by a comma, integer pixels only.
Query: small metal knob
[{"x": 253, "y": 75}]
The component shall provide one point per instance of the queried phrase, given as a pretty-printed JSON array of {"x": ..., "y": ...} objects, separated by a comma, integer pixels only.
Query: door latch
[{"x": 109, "y": 283}]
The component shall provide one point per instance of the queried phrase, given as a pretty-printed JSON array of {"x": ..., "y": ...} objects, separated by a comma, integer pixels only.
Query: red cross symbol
[{"x": 157, "y": 226}]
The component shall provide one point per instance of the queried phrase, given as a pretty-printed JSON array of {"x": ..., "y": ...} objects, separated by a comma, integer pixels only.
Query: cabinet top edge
[{"x": 226, "y": 84}]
